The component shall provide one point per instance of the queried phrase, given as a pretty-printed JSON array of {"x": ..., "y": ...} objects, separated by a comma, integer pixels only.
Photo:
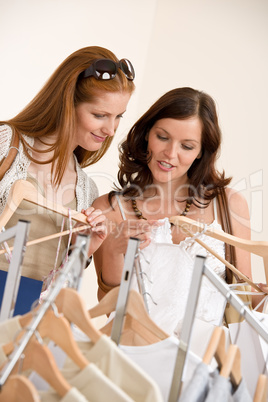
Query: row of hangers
[
  {"x": 24, "y": 190},
  {"x": 57, "y": 328},
  {"x": 145, "y": 328},
  {"x": 229, "y": 363}
]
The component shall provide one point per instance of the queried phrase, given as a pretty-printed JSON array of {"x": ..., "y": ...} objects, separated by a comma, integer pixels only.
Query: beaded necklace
[{"x": 139, "y": 215}]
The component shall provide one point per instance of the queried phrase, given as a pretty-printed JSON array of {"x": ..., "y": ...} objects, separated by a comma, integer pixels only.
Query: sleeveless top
[{"x": 167, "y": 270}]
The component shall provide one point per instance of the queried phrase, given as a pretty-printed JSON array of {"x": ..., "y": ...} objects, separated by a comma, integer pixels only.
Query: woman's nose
[
  {"x": 171, "y": 151},
  {"x": 109, "y": 128}
]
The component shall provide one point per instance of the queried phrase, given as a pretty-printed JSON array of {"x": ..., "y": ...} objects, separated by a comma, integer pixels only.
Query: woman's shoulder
[
  {"x": 236, "y": 201},
  {"x": 239, "y": 212},
  {"x": 102, "y": 202},
  {"x": 110, "y": 208}
]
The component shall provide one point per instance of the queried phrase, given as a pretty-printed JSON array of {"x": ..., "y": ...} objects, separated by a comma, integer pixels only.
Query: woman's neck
[{"x": 168, "y": 191}]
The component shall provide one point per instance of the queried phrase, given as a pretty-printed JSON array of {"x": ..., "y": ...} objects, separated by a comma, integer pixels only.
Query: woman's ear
[{"x": 147, "y": 136}]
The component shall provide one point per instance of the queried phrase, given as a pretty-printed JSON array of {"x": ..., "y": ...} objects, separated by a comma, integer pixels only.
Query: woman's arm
[
  {"x": 240, "y": 219},
  {"x": 109, "y": 258}
]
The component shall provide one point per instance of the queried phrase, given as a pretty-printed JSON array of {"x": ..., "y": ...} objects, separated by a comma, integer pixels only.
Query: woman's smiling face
[
  {"x": 173, "y": 146},
  {"x": 97, "y": 120}
]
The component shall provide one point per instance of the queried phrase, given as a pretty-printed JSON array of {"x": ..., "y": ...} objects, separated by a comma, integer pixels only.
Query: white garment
[
  {"x": 158, "y": 360},
  {"x": 86, "y": 189},
  {"x": 168, "y": 268}
]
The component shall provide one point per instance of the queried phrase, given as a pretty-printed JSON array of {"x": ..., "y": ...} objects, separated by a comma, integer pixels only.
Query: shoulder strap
[
  {"x": 12, "y": 152},
  {"x": 227, "y": 227}
]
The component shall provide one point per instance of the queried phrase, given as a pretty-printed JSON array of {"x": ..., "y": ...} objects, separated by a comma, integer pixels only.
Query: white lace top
[
  {"x": 168, "y": 271},
  {"x": 86, "y": 189}
]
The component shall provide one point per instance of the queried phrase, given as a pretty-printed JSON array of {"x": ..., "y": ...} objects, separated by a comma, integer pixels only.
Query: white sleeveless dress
[{"x": 168, "y": 271}]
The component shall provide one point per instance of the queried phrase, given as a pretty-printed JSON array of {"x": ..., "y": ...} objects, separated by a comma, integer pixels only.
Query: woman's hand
[
  {"x": 97, "y": 228},
  {"x": 119, "y": 235}
]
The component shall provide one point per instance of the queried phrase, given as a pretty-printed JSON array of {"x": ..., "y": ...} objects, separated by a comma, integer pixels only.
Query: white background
[{"x": 219, "y": 46}]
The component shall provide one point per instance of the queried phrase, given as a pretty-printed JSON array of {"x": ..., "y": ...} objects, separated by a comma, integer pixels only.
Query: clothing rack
[
  {"x": 199, "y": 270},
  {"x": 71, "y": 271},
  {"x": 129, "y": 264},
  {"x": 20, "y": 234}
]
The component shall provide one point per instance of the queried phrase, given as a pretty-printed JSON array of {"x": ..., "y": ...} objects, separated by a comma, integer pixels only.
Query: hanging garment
[
  {"x": 93, "y": 385},
  {"x": 158, "y": 361},
  {"x": 200, "y": 384},
  {"x": 167, "y": 269},
  {"x": 74, "y": 395},
  {"x": 220, "y": 390},
  {"x": 241, "y": 394},
  {"x": 106, "y": 355}
]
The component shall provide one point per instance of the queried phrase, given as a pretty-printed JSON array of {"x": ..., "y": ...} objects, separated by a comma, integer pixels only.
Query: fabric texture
[
  {"x": 199, "y": 386},
  {"x": 169, "y": 268},
  {"x": 220, "y": 390},
  {"x": 124, "y": 373},
  {"x": 93, "y": 385},
  {"x": 74, "y": 395},
  {"x": 158, "y": 360}
]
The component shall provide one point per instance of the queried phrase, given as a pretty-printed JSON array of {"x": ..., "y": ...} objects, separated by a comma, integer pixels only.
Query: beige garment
[
  {"x": 8, "y": 330},
  {"x": 74, "y": 395},
  {"x": 93, "y": 385},
  {"x": 39, "y": 259},
  {"x": 127, "y": 375}
]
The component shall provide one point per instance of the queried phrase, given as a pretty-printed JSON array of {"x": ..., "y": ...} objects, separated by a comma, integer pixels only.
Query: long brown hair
[
  {"x": 180, "y": 103},
  {"x": 53, "y": 108}
]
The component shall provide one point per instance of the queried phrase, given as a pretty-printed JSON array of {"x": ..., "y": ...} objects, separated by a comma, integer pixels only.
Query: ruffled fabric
[{"x": 168, "y": 271}]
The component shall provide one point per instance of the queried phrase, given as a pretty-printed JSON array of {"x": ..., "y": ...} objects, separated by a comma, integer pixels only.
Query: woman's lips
[
  {"x": 98, "y": 138},
  {"x": 165, "y": 166}
]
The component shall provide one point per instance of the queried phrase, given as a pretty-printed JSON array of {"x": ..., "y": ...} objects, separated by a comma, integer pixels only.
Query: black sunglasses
[{"x": 106, "y": 69}]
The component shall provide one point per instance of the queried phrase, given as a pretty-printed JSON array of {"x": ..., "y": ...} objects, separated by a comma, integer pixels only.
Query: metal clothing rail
[
  {"x": 20, "y": 234},
  {"x": 129, "y": 264},
  {"x": 199, "y": 270},
  {"x": 76, "y": 264}
]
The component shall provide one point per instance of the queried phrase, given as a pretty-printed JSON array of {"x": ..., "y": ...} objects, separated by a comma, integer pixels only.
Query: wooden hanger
[
  {"x": 38, "y": 357},
  {"x": 216, "y": 348},
  {"x": 50, "y": 237},
  {"x": 190, "y": 227},
  {"x": 24, "y": 190},
  {"x": 138, "y": 325},
  {"x": 231, "y": 367},
  {"x": 19, "y": 388},
  {"x": 70, "y": 303},
  {"x": 261, "y": 390},
  {"x": 57, "y": 329}
]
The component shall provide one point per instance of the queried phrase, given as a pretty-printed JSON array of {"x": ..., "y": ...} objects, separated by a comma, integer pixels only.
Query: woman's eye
[
  {"x": 161, "y": 137},
  {"x": 187, "y": 147},
  {"x": 99, "y": 116}
]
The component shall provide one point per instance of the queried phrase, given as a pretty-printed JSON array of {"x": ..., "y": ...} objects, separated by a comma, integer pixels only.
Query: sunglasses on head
[{"x": 106, "y": 69}]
